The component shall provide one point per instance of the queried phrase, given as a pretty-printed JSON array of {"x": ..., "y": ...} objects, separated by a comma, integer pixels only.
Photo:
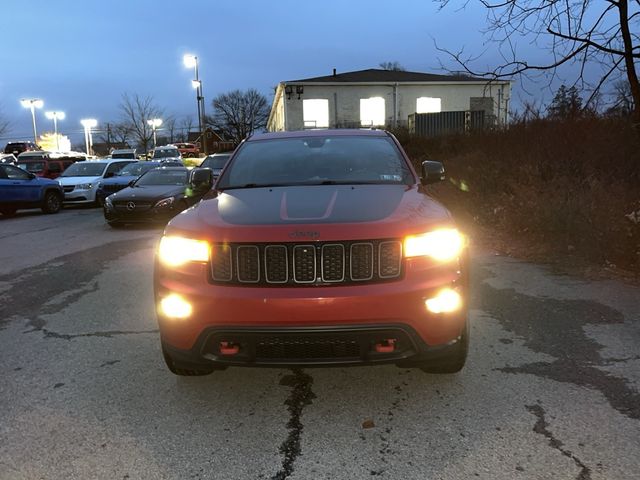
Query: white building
[{"x": 371, "y": 98}]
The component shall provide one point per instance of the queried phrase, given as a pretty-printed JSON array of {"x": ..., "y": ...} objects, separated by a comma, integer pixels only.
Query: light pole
[
  {"x": 191, "y": 61},
  {"x": 154, "y": 123},
  {"x": 33, "y": 103},
  {"x": 88, "y": 124},
  {"x": 55, "y": 116}
]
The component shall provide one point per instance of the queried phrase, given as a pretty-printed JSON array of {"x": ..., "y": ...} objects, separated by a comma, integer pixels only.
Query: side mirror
[
  {"x": 109, "y": 175},
  {"x": 32, "y": 176},
  {"x": 201, "y": 179},
  {"x": 432, "y": 172},
  {"x": 131, "y": 183}
]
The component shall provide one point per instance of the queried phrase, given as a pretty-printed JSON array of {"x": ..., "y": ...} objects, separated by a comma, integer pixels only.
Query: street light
[
  {"x": 88, "y": 124},
  {"x": 154, "y": 123},
  {"x": 55, "y": 116},
  {"x": 191, "y": 61},
  {"x": 33, "y": 103}
]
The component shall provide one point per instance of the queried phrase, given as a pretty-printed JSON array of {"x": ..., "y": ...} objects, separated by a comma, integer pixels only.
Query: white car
[
  {"x": 80, "y": 180},
  {"x": 168, "y": 153}
]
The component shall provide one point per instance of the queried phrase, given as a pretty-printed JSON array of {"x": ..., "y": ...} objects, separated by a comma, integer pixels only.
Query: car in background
[
  {"x": 18, "y": 147},
  {"x": 124, "y": 153},
  {"x": 216, "y": 162},
  {"x": 187, "y": 149},
  {"x": 7, "y": 158},
  {"x": 122, "y": 179},
  {"x": 20, "y": 189},
  {"x": 167, "y": 153},
  {"x": 48, "y": 164},
  {"x": 156, "y": 197},
  {"x": 80, "y": 181},
  {"x": 317, "y": 247}
]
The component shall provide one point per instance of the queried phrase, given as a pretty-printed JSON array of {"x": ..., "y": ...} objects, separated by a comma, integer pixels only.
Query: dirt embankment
[{"x": 566, "y": 193}]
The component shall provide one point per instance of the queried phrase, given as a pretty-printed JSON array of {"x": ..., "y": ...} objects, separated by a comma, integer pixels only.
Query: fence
[{"x": 444, "y": 123}]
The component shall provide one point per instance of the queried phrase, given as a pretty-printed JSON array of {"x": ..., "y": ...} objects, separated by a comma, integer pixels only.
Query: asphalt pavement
[{"x": 550, "y": 390}]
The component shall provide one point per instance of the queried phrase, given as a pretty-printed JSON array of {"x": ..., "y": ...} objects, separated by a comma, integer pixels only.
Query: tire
[
  {"x": 185, "y": 369},
  {"x": 52, "y": 202},
  {"x": 454, "y": 360},
  {"x": 8, "y": 212}
]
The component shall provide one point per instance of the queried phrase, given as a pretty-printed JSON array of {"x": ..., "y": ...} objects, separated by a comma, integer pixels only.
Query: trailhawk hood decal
[{"x": 322, "y": 204}]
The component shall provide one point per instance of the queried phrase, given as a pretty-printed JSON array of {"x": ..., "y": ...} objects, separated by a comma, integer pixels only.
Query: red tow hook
[
  {"x": 388, "y": 345},
  {"x": 229, "y": 348}
]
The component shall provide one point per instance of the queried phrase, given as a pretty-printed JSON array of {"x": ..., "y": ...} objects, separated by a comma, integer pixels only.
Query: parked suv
[
  {"x": 188, "y": 149},
  {"x": 48, "y": 164},
  {"x": 315, "y": 248},
  {"x": 124, "y": 153},
  {"x": 20, "y": 189},
  {"x": 18, "y": 147},
  {"x": 80, "y": 181},
  {"x": 168, "y": 153}
]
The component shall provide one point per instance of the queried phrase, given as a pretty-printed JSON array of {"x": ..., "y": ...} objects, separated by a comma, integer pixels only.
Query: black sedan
[{"x": 157, "y": 196}]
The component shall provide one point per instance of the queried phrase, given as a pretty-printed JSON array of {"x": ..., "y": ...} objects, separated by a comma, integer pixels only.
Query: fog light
[
  {"x": 174, "y": 306},
  {"x": 447, "y": 300}
]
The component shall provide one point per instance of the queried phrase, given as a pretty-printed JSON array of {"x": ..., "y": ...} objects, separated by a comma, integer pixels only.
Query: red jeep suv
[{"x": 314, "y": 248}]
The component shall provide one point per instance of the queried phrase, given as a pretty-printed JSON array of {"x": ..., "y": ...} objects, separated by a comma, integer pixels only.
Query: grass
[{"x": 545, "y": 190}]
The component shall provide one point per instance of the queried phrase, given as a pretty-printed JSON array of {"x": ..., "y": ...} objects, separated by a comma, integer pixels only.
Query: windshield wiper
[{"x": 259, "y": 185}]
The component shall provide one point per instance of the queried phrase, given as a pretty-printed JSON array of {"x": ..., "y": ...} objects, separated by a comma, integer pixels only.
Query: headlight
[
  {"x": 174, "y": 251},
  {"x": 443, "y": 245},
  {"x": 108, "y": 202},
  {"x": 84, "y": 186},
  {"x": 165, "y": 202}
]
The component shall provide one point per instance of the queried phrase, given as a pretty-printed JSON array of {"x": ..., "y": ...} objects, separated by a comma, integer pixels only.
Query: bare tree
[
  {"x": 169, "y": 125},
  {"x": 238, "y": 114},
  {"x": 186, "y": 125},
  {"x": 115, "y": 133},
  {"x": 588, "y": 32},
  {"x": 136, "y": 112},
  {"x": 395, "y": 66}
]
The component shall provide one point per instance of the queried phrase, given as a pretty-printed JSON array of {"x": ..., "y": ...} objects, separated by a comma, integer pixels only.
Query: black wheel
[
  {"x": 454, "y": 359},
  {"x": 100, "y": 201},
  {"x": 185, "y": 369},
  {"x": 52, "y": 202},
  {"x": 8, "y": 212},
  {"x": 116, "y": 224}
]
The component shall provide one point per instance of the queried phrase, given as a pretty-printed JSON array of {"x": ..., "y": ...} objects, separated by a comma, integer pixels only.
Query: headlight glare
[
  {"x": 442, "y": 245},
  {"x": 174, "y": 251}
]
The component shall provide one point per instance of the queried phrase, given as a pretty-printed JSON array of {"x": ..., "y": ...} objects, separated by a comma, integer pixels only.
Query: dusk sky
[{"x": 80, "y": 57}]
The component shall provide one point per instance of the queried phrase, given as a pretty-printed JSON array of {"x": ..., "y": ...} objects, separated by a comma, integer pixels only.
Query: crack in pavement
[
  {"x": 542, "y": 428},
  {"x": 107, "y": 334},
  {"x": 301, "y": 395},
  {"x": 555, "y": 327}
]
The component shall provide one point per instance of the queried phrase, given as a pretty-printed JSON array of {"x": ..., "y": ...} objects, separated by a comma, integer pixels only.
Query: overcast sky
[{"x": 81, "y": 56}]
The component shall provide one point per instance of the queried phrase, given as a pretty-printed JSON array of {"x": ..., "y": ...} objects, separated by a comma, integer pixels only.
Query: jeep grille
[{"x": 300, "y": 264}]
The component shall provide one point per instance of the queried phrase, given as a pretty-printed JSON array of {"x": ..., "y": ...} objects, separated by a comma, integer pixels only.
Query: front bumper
[
  {"x": 151, "y": 215},
  {"x": 80, "y": 196},
  {"x": 343, "y": 324}
]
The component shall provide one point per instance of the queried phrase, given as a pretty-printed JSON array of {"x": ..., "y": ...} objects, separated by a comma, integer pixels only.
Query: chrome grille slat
[{"x": 307, "y": 264}]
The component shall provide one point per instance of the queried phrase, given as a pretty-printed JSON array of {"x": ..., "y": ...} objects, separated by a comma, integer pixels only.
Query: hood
[
  {"x": 319, "y": 212},
  {"x": 148, "y": 192},
  {"x": 77, "y": 180}
]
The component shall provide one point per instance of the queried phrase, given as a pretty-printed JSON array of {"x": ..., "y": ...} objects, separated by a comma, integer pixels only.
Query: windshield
[
  {"x": 33, "y": 167},
  {"x": 219, "y": 161},
  {"x": 136, "y": 169},
  {"x": 163, "y": 177},
  {"x": 317, "y": 160},
  {"x": 166, "y": 153},
  {"x": 85, "y": 169}
]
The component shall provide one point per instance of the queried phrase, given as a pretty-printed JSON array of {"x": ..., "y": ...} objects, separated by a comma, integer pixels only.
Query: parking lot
[{"x": 550, "y": 389}]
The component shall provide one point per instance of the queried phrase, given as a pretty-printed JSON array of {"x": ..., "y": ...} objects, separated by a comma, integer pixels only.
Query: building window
[
  {"x": 372, "y": 112},
  {"x": 315, "y": 113},
  {"x": 428, "y": 105}
]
